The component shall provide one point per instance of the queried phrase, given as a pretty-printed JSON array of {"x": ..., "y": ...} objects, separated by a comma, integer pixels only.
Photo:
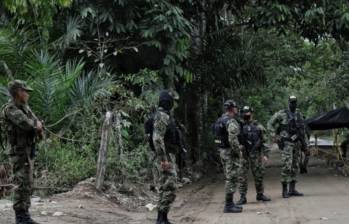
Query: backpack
[
  {"x": 220, "y": 132},
  {"x": 171, "y": 135},
  {"x": 149, "y": 129}
]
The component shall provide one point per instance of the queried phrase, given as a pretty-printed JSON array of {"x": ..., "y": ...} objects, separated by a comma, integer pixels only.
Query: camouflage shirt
[
  {"x": 233, "y": 129},
  {"x": 278, "y": 122},
  {"x": 20, "y": 124},
  {"x": 265, "y": 147},
  {"x": 161, "y": 122},
  {"x": 263, "y": 136}
]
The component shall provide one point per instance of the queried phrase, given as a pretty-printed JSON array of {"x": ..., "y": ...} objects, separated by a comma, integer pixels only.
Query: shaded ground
[{"x": 326, "y": 201}]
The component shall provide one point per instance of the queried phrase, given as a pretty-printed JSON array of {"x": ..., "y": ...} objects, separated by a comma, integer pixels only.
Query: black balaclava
[
  {"x": 245, "y": 111},
  {"x": 247, "y": 117},
  {"x": 165, "y": 100},
  {"x": 292, "y": 103}
]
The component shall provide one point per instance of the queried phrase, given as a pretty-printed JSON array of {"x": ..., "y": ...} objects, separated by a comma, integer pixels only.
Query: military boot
[
  {"x": 20, "y": 217},
  {"x": 293, "y": 191},
  {"x": 284, "y": 190},
  {"x": 303, "y": 170},
  {"x": 262, "y": 197},
  {"x": 161, "y": 218},
  {"x": 230, "y": 207},
  {"x": 166, "y": 219},
  {"x": 29, "y": 220},
  {"x": 242, "y": 200}
]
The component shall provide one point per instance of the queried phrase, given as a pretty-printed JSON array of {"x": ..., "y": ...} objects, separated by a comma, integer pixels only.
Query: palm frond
[
  {"x": 42, "y": 64},
  {"x": 52, "y": 84},
  {"x": 4, "y": 94},
  {"x": 72, "y": 32},
  {"x": 8, "y": 51},
  {"x": 88, "y": 88}
]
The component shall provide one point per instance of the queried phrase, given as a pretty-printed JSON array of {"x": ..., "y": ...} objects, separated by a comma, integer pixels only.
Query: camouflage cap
[
  {"x": 229, "y": 104},
  {"x": 18, "y": 84}
]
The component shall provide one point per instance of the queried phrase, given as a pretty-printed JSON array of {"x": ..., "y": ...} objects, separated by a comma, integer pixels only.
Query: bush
[
  {"x": 64, "y": 164},
  {"x": 129, "y": 165}
]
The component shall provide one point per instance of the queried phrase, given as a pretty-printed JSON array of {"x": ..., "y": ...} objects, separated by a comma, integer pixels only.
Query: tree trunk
[
  {"x": 103, "y": 150},
  {"x": 194, "y": 111}
]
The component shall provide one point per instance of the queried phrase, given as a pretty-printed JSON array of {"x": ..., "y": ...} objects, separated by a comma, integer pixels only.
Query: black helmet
[
  {"x": 165, "y": 100},
  {"x": 229, "y": 104},
  {"x": 292, "y": 99},
  {"x": 247, "y": 109}
]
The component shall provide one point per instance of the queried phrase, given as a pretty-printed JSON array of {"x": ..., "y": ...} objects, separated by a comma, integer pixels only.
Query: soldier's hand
[
  {"x": 275, "y": 139},
  {"x": 39, "y": 127},
  {"x": 265, "y": 159},
  {"x": 165, "y": 165}
]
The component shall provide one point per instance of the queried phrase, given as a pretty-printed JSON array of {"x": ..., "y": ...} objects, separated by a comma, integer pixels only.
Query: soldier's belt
[
  {"x": 293, "y": 138},
  {"x": 221, "y": 144},
  {"x": 217, "y": 141}
]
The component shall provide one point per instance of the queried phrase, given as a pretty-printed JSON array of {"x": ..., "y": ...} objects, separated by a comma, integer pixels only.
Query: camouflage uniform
[
  {"x": 168, "y": 178},
  {"x": 345, "y": 146},
  {"x": 231, "y": 157},
  {"x": 290, "y": 149},
  {"x": 21, "y": 130},
  {"x": 254, "y": 159}
]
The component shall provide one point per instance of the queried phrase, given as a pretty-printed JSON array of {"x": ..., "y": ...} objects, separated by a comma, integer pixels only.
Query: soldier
[
  {"x": 23, "y": 128},
  {"x": 254, "y": 154},
  {"x": 345, "y": 146},
  {"x": 164, "y": 135},
  {"x": 227, "y": 130},
  {"x": 287, "y": 129},
  {"x": 305, "y": 153}
]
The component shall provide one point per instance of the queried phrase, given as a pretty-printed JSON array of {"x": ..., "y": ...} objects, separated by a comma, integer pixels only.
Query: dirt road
[{"x": 326, "y": 201}]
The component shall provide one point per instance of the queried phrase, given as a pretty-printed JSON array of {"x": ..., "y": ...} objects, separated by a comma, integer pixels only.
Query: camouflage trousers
[
  {"x": 22, "y": 177},
  {"x": 257, "y": 167},
  {"x": 155, "y": 168},
  {"x": 167, "y": 190},
  {"x": 290, "y": 157},
  {"x": 231, "y": 166},
  {"x": 304, "y": 158}
]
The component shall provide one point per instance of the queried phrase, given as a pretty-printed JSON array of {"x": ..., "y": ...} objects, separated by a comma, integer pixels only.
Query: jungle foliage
[{"x": 85, "y": 57}]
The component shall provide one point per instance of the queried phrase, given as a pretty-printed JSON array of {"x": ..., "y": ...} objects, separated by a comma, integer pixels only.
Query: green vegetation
[{"x": 85, "y": 57}]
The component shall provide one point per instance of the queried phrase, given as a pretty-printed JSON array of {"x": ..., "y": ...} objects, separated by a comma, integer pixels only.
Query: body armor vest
[
  {"x": 221, "y": 133},
  {"x": 251, "y": 136},
  {"x": 295, "y": 123}
]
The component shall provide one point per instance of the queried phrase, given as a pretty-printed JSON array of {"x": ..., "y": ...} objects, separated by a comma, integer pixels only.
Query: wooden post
[{"x": 103, "y": 150}]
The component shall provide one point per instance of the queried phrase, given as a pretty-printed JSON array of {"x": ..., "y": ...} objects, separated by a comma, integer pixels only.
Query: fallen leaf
[
  {"x": 150, "y": 207},
  {"x": 57, "y": 214}
]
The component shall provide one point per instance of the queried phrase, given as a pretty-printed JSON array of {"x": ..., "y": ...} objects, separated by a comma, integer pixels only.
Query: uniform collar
[
  {"x": 23, "y": 106},
  {"x": 163, "y": 110}
]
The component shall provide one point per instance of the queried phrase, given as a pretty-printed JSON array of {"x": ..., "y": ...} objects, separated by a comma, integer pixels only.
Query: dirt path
[{"x": 326, "y": 201}]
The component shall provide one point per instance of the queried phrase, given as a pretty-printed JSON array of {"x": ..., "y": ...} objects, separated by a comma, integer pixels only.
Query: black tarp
[{"x": 338, "y": 118}]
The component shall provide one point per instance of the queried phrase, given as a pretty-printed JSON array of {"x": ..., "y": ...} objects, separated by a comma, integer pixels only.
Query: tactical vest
[
  {"x": 251, "y": 136},
  {"x": 221, "y": 132},
  {"x": 171, "y": 139},
  {"x": 295, "y": 123}
]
